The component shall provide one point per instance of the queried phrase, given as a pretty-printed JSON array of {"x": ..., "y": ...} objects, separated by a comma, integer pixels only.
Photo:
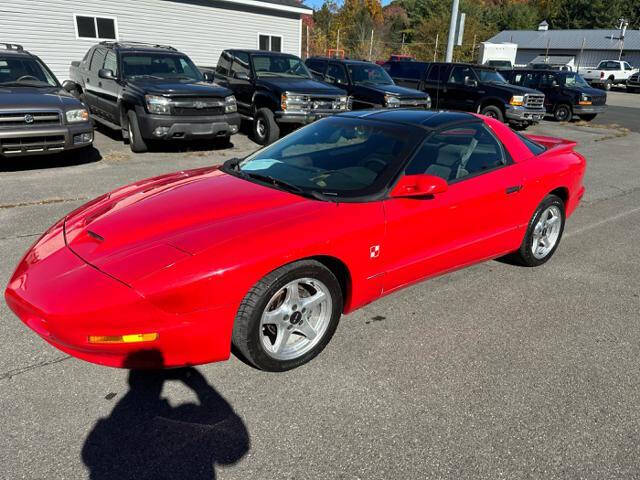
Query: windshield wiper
[{"x": 274, "y": 181}]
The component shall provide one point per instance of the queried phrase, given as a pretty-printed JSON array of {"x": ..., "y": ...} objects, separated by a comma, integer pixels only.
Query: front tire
[
  {"x": 563, "y": 113},
  {"x": 543, "y": 233},
  {"x": 265, "y": 128},
  {"x": 492, "y": 111},
  {"x": 136, "y": 142},
  {"x": 289, "y": 316}
]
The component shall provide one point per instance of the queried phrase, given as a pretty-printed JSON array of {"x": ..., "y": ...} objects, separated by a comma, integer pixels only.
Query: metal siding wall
[
  {"x": 199, "y": 28},
  {"x": 589, "y": 58}
]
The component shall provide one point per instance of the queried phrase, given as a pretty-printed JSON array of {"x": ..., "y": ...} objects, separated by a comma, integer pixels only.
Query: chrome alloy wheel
[
  {"x": 546, "y": 232},
  {"x": 295, "y": 319},
  {"x": 261, "y": 128}
]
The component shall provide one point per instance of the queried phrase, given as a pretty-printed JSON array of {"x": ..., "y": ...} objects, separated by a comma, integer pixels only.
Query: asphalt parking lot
[{"x": 494, "y": 371}]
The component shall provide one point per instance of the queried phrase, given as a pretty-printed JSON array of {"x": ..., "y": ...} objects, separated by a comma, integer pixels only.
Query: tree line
[{"x": 365, "y": 29}]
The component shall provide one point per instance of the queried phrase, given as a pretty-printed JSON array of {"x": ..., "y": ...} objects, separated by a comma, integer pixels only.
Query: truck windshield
[
  {"x": 490, "y": 76},
  {"x": 279, "y": 66},
  {"x": 335, "y": 157},
  {"x": 25, "y": 71},
  {"x": 574, "y": 80},
  {"x": 160, "y": 66},
  {"x": 363, "y": 74}
]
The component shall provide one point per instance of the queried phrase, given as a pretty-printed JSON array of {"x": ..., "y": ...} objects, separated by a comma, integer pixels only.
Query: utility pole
[
  {"x": 473, "y": 49},
  {"x": 435, "y": 50},
  {"x": 402, "y": 47},
  {"x": 546, "y": 55},
  {"x": 307, "y": 41},
  {"x": 584, "y": 41},
  {"x": 338, "y": 42},
  {"x": 452, "y": 30},
  {"x": 371, "y": 45}
]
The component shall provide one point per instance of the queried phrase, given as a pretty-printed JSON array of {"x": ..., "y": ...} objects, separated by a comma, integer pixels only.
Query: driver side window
[
  {"x": 336, "y": 73},
  {"x": 456, "y": 153}
]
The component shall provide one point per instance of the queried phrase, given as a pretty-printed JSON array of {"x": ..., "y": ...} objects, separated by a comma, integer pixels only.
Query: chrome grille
[
  {"x": 534, "y": 101},
  {"x": 197, "y": 106},
  {"x": 29, "y": 119},
  {"x": 15, "y": 145},
  {"x": 413, "y": 102},
  {"x": 326, "y": 104}
]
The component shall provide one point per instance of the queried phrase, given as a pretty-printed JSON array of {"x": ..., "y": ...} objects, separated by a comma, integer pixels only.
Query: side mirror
[
  {"x": 419, "y": 186},
  {"x": 69, "y": 86},
  {"x": 317, "y": 76},
  {"x": 208, "y": 77},
  {"x": 469, "y": 82},
  {"x": 241, "y": 76},
  {"x": 106, "y": 74}
]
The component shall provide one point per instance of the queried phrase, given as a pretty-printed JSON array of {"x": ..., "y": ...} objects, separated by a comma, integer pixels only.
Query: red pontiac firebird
[{"x": 267, "y": 252}]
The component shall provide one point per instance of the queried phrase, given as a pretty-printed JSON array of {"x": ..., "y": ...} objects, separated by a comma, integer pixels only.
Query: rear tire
[
  {"x": 607, "y": 84},
  {"x": 543, "y": 233},
  {"x": 136, "y": 142},
  {"x": 265, "y": 128},
  {"x": 288, "y": 317},
  {"x": 492, "y": 111},
  {"x": 588, "y": 118},
  {"x": 563, "y": 113}
]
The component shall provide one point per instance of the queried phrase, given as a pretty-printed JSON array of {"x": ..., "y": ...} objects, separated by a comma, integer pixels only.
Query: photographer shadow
[{"x": 146, "y": 438}]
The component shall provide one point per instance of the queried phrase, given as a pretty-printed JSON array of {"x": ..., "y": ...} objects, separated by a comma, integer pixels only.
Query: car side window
[
  {"x": 316, "y": 66},
  {"x": 434, "y": 74},
  {"x": 459, "y": 75},
  {"x": 111, "y": 62},
  {"x": 241, "y": 64},
  {"x": 98, "y": 59},
  {"x": 456, "y": 153},
  {"x": 336, "y": 73},
  {"x": 627, "y": 66},
  {"x": 548, "y": 80},
  {"x": 224, "y": 64}
]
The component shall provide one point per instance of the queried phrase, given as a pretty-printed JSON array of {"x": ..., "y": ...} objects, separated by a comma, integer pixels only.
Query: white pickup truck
[{"x": 608, "y": 73}]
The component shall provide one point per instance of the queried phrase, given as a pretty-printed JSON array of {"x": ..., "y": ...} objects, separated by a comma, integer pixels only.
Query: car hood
[
  {"x": 300, "y": 85},
  {"x": 402, "y": 92},
  {"x": 149, "y": 225},
  {"x": 592, "y": 92},
  {"x": 31, "y": 98},
  {"x": 175, "y": 88},
  {"x": 514, "y": 89}
]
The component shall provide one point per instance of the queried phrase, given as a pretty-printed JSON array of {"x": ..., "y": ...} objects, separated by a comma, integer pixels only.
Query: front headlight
[
  {"x": 427, "y": 103},
  {"x": 77, "y": 115},
  {"x": 158, "y": 105},
  {"x": 517, "y": 100},
  {"x": 292, "y": 101},
  {"x": 391, "y": 101},
  {"x": 342, "y": 103},
  {"x": 585, "y": 99},
  {"x": 230, "y": 105}
]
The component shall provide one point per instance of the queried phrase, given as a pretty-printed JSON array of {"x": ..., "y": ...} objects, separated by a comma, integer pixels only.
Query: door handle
[
  {"x": 514, "y": 189},
  {"x": 99, "y": 84}
]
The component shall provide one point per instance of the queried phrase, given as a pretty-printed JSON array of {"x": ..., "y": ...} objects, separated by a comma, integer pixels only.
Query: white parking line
[{"x": 602, "y": 222}]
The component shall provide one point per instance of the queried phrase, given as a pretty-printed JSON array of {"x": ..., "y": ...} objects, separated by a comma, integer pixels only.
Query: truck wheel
[
  {"x": 607, "y": 84},
  {"x": 265, "y": 128},
  {"x": 588, "y": 118},
  {"x": 492, "y": 111},
  {"x": 563, "y": 113},
  {"x": 632, "y": 90},
  {"x": 136, "y": 142}
]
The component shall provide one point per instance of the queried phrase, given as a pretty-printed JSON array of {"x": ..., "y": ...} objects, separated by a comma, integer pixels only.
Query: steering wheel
[{"x": 26, "y": 77}]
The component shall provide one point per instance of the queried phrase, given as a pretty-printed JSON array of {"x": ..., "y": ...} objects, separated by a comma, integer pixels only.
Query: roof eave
[{"x": 272, "y": 6}]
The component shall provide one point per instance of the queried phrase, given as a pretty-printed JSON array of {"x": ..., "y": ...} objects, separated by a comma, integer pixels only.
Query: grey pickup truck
[
  {"x": 37, "y": 116},
  {"x": 152, "y": 92}
]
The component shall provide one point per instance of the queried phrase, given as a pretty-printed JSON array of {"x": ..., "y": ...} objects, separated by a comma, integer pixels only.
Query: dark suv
[
  {"x": 276, "y": 88},
  {"x": 152, "y": 92},
  {"x": 406, "y": 73},
  {"x": 566, "y": 94},
  {"x": 368, "y": 84},
  {"x": 37, "y": 116}
]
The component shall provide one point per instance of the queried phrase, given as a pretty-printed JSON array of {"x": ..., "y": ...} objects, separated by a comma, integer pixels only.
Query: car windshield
[
  {"x": 160, "y": 66},
  {"x": 337, "y": 157},
  {"x": 490, "y": 76},
  {"x": 365, "y": 74},
  {"x": 279, "y": 66},
  {"x": 25, "y": 71},
  {"x": 574, "y": 80},
  {"x": 499, "y": 63}
]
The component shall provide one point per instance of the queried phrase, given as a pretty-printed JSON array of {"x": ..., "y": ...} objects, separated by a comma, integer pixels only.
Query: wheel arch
[
  {"x": 491, "y": 101},
  {"x": 341, "y": 272},
  {"x": 563, "y": 193}
]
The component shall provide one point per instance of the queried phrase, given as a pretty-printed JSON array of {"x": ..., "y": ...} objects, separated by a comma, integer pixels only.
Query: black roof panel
[{"x": 425, "y": 118}]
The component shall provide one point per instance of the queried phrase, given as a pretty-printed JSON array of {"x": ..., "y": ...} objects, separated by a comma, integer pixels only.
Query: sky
[{"x": 318, "y": 3}]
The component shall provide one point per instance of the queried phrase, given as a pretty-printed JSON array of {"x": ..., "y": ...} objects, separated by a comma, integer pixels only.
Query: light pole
[{"x": 452, "y": 30}]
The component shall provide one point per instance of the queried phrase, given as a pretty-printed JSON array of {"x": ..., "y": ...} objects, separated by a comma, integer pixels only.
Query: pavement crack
[
  {"x": 19, "y": 371},
  {"x": 26, "y": 235},
  {"x": 47, "y": 201}
]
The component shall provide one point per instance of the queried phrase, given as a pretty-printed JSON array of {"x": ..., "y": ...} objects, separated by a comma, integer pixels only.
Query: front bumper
[
  {"x": 303, "y": 118},
  {"x": 16, "y": 142},
  {"x": 65, "y": 300},
  {"x": 589, "y": 109},
  {"x": 524, "y": 114},
  {"x": 169, "y": 127}
]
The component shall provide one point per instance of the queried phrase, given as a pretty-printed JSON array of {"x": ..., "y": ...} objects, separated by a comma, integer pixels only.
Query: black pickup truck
[
  {"x": 37, "y": 116},
  {"x": 273, "y": 89},
  {"x": 566, "y": 94},
  {"x": 368, "y": 84},
  {"x": 476, "y": 88},
  {"x": 152, "y": 92}
]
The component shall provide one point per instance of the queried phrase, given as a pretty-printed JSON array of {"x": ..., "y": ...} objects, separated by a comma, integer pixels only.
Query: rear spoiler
[{"x": 553, "y": 143}]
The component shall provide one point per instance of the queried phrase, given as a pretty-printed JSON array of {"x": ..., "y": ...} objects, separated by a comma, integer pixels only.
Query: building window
[
  {"x": 270, "y": 42},
  {"x": 99, "y": 28}
]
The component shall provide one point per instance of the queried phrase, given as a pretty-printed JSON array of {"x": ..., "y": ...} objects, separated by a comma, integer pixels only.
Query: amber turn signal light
[{"x": 132, "y": 338}]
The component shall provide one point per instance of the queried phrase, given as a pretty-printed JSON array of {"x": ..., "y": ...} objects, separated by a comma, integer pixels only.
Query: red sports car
[{"x": 267, "y": 252}]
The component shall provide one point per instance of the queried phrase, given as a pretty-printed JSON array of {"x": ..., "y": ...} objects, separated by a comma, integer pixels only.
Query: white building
[{"x": 60, "y": 31}]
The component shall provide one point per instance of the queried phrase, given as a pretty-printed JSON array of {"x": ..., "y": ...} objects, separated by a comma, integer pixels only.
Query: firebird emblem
[{"x": 374, "y": 251}]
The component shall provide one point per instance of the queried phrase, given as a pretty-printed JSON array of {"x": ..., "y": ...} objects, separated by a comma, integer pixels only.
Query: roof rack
[
  {"x": 13, "y": 46},
  {"x": 136, "y": 44}
]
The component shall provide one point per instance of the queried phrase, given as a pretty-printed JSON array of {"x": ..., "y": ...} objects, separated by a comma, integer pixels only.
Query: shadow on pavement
[
  {"x": 56, "y": 160},
  {"x": 146, "y": 438}
]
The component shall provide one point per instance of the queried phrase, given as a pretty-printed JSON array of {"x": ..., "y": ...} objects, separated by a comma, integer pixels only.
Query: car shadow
[
  {"x": 145, "y": 437},
  {"x": 56, "y": 160}
]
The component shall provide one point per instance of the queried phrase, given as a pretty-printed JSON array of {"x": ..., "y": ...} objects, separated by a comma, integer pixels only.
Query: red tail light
[{"x": 601, "y": 74}]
